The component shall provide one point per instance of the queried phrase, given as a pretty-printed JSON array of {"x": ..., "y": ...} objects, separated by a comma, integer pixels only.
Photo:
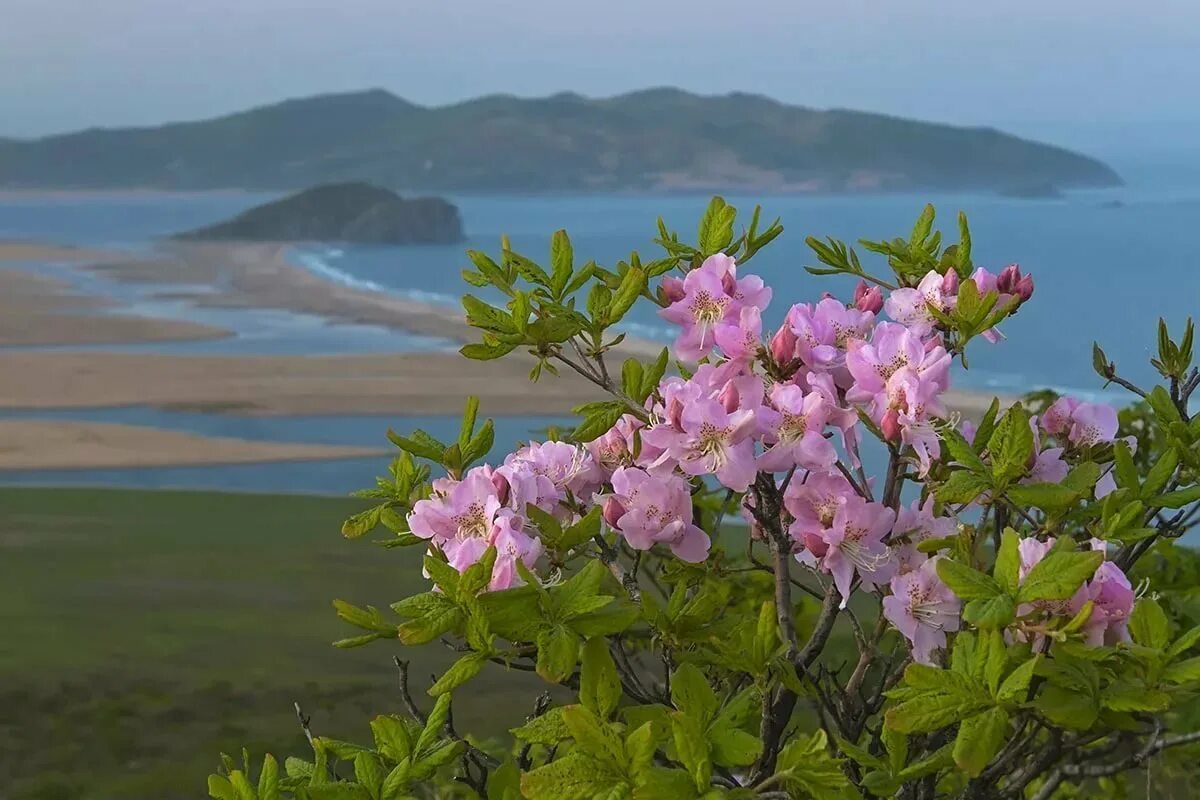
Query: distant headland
[
  {"x": 656, "y": 140},
  {"x": 341, "y": 212}
]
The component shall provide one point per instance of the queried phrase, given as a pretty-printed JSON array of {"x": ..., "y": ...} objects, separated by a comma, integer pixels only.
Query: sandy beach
[
  {"x": 64, "y": 444},
  {"x": 38, "y": 310}
]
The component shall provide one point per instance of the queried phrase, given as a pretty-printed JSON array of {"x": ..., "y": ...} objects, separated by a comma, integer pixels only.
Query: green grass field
[{"x": 144, "y": 632}]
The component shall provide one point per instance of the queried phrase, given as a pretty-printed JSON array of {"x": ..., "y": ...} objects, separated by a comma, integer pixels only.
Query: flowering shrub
[{"x": 735, "y": 606}]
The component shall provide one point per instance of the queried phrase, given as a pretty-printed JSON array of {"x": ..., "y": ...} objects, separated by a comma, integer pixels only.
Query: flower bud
[
  {"x": 729, "y": 398},
  {"x": 675, "y": 413},
  {"x": 868, "y": 298},
  {"x": 890, "y": 425},
  {"x": 1024, "y": 288},
  {"x": 612, "y": 511},
  {"x": 950, "y": 283},
  {"x": 502, "y": 487},
  {"x": 783, "y": 344},
  {"x": 1006, "y": 281},
  {"x": 672, "y": 288}
]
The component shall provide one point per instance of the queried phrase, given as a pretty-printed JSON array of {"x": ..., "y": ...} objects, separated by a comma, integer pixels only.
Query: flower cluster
[
  {"x": 488, "y": 507},
  {"x": 789, "y": 404}
]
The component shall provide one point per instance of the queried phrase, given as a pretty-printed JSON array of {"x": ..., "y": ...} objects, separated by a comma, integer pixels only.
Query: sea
[{"x": 1106, "y": 264}]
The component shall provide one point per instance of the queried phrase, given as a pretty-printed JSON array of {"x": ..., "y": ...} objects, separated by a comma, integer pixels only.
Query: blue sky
[{"x": 1102, "y": 75}]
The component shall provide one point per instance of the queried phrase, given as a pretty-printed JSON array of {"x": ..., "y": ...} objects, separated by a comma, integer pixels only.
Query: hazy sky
[{"x": 1099, "y": 74}]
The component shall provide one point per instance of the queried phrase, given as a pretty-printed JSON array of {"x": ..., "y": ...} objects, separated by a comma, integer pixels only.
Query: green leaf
[
  {"x": 599, "y": 422},
  {"x": 627, "y": 293},
  {"x": 484, "y": 351},
  {"x": 368, "y": 771},
  {"x": 459, "y": 673},
  {"x": 1184, "y": 642},
  {"x": 692, "y": 694},
  {"x": 1187, "y": 671},
  {"x": 487, "y": 317},
  {"x": 1124, "y": 471},
  {"x": 966, "y": 582},
  {"x": 1016, "y": 685},
  {"x": 1148, "y": 624},
  {"x": 1007, "y": 569},
  {"x": 1176, "y": 499},
  {"x": 561, "y": 262},
  {"x": 1051, "y": 497},
  {"x": 1068, "y": 708},
  {"x": 962, "y": 487},
  {"x": 1011, "y": 445},
  {"x": 593, "y": 737},
  {"x": 504, "y": 783},
  {"x": 558, "y": 650},
  {"x": 691, "y": 746},
  {"x": 220, "y": 788},
  {"x": 548, "y": 729},
  {"x": 931, "y": 711},
  {"x": 962, "y": 452},
  {"x": 716, "y": 226},
  {"x": 1160, "y": 473},
  {"x": 734, "y": 747},
  {"x": 575, "y": 776},
  {"x": 979, "y": 740},
  {"x": 599, "y": 685},
  {"x": 1058, "y": 575}
]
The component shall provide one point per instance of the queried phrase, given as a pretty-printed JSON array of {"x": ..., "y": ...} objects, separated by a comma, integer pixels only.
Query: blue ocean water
[{"x": 1106, "y": 266}]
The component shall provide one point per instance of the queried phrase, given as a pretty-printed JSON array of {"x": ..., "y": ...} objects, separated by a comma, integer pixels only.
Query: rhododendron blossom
[
  {"x": 923, "y": 609},
  {"x": 648, "y": 510}
]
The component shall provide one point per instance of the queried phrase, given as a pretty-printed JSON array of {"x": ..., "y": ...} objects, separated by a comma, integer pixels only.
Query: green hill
[{"x": 652, "y": 140}]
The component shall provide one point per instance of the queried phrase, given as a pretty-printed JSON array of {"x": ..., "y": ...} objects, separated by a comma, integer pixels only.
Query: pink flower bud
[
  {"x": 729, "y": 283},
  {"x": 729, "y": 398},
  {"x": 502, "y": 487},
  {"x": 868, "y": 298},
  {"x": 783, "y": 344},
  {"x": 950, "y": 283},
  {"x": 890, "y": 425},
  {"x": 613, "y": 511},
  {"x": 675, "y": 413},
  {"x": 1024, "y": 288},
  {"x": 934, "y": 342},
  {"x": 1006, "y": 281},
  {"x": 673, "y": 288}
]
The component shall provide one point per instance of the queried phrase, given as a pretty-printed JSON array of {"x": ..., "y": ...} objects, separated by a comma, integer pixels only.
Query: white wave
[
  {"x": 657, "y": 333},
  {"x": 434, "y": 298},
  {"x": 316, "y": 264}
]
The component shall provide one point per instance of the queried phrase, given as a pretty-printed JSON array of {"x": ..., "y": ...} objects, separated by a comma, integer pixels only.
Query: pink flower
[
  {"x": 1112, "y": 595},
  {"x": 466, "y": 510},
  {"x": 813, "y": 501},
  {"x": 1080, "y": 422},
  {"x": 1046, "y": 466},
  {"x": 893, "y": 347},
  {"x": 795, "y": 434},
  {"x": 915, "y": 524},
  {"x": 740, "y": 340},
  {"x": 559, "y": 468},
  {"x": 910, "y": 307},
  {"x": 615, "y": 448},
  {"x": 512, "y": 544},
  {"x": 1012, "y": 282},
  {"x": 648, "y": 510},
  {"x": 711, "y": 294},
  {"x": 467, "y": 518},
  {"x": 710, "y": 440},
  {"x": 824, "y": 331},
  {"x": 922, "y": 608},
  {"x": 854, "y": 544},
  {"x": 868, "y": 298}
]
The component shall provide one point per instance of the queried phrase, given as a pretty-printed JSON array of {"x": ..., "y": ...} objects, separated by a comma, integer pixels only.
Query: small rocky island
[{"x": 354, "y": 212}]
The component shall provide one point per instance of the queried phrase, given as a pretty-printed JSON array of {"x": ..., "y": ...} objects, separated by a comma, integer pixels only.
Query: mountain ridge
[{"x": 654, "y": 139}]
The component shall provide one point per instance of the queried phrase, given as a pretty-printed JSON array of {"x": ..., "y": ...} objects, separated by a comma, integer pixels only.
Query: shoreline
[{"x": 41, "y": 309}]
